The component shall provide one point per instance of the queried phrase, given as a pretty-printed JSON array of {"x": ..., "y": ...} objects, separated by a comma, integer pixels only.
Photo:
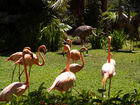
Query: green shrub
[
  {"x": 42, "y": 97},
  {"x": 118, "y": 39},
  {"x": 53, "y": 34},
  {"x": 99, "y": 41}
]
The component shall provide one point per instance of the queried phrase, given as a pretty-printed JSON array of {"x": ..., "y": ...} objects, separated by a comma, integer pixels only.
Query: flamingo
[
  {"x": 108, "y": 69},
  {"x": 16, "y": 88},
  {"x": 35, "y": 59},
  {"x": 65, "y": 80},
  {"x": 75, "y": 67},
  {"x": 15, "y": 57},
  {"x": 75, "y": 54}
]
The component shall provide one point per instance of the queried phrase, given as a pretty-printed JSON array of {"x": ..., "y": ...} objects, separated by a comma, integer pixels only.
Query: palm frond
[{"x": 59, "y": 3}]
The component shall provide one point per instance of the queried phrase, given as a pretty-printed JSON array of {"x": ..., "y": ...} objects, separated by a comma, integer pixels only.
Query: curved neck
[
  {"x": 109, "y": 50},
  {"x": 68, "y": 59},
  {"x": 43, "y": 60},
  {"x": 26, "y": 74}
]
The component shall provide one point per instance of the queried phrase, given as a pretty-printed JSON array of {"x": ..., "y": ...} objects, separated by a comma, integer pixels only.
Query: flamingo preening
[
  {"x": 65, "y": 80},
  {"x": 75, "y": 67},
  {"x": 16, "y": 88},
  {"x": 35, "y": 59},
  {"x": 75, "y": 54},
  {"x": 108, "y": 69},
  {"x": 15, "y": 57}
]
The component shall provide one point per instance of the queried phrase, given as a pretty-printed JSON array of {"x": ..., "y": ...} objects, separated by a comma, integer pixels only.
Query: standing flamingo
[
  {"x": 65, "y": 80},
  {"x": 75, "y": 54},
  {"x": 108, "y": 69},
  {"x": 16, "y": 88},
  {"x": 75, "y": 67},
  {"x": 15, "y": 57},
  {"x": 35, "y": 59}
]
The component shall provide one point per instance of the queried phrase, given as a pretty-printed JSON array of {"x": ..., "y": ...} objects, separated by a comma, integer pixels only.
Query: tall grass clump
[
  {"x": 118, "y": 39},
  {"x": 51, "y": 36},
  {"x": 99, "y": 41}
]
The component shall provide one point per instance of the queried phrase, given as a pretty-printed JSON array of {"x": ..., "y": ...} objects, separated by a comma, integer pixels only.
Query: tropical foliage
[{"x": 85, "y": 97}]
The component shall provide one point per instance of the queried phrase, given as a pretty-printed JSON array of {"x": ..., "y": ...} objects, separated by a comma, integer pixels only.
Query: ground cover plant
[{"x": 88, "y": 80}]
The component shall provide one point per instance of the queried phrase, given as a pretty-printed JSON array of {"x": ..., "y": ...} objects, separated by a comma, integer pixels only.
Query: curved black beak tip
[{"x": 32, "y": 56}]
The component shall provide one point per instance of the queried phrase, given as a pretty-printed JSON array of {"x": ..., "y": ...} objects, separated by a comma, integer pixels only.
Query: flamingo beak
[
  {"x": 31, "y": 55},
  {"x": 94, "y": 33}
]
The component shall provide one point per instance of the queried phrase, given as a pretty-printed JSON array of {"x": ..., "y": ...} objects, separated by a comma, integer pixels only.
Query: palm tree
[{"x": 77, "y": 7}]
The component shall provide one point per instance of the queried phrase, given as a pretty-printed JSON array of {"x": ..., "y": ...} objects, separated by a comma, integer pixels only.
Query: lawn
[{"x": 127, "y": 76}]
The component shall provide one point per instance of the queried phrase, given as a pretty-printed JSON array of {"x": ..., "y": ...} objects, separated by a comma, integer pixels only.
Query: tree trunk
[{"x": 104, "y": 8}]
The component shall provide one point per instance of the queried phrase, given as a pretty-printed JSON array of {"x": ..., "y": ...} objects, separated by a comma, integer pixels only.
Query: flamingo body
[
  {"x": 16, "y": 88},
  {"x": 108, "y": 68},
  {"x": 63, "y": 82},
  {"x": 75, "y": 55},
  {"x": 112, "y": 61}
]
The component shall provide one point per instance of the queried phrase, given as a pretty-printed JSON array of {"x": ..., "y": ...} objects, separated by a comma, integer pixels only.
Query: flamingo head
[
  {"x": 27, "y": 48},
  {"x": 109, "y": 37},
  {"x": 84, "y": 49},
  {"x": 26, "y": 51},
  {"x": 69, "y": 42},
  {"x": 66, "y": 48},
  {"x": 93, "y": 31}
]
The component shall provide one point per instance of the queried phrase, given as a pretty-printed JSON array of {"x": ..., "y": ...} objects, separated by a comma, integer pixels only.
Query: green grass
[{"x": 127, "y": 76}]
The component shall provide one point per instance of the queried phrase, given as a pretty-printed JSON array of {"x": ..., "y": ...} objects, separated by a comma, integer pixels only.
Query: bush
[
  {"x": 41, "y": 97},
  {"x": 118, "y": 39},
  {"x": 99, "y": 41}
]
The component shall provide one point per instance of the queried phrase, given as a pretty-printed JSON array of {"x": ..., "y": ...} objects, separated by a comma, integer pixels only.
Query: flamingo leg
[
  {"x": 29, "y": 71},
  {"x": 29, "y": 77},
  {"x": 109, "y": 87},
  {"x": 19, "y": 74},
  {"x": 13, "y": 73},
  {"x": 77, "y": 91}
]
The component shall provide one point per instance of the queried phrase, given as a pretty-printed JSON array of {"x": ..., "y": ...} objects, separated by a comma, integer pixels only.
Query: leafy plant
[
  {"x": 118, "y": 39},
  {"x": 53, "y": 33},
  {"x": 41, "y": 97},
  {"x": 99, "y": 41}
]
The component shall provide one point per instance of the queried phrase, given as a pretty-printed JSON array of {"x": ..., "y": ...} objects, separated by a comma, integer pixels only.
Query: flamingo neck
[
  {"x": 82, "y": 60},
  {"x": 109, "y": 51},
  {"x": 43, "y": 60},
  {"x": 68, "y": 61},
  {"x": 26, "y": 74}
]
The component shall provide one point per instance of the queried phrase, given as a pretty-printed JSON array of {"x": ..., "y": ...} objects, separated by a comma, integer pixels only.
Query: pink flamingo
[
  {"x": 65, "y": 80},
  {"x": 75, "y": 67},
  {"x": 16, "y": 88},
  {"x": 35, "y": 59},
  {"x": 108, "y": 69},
  {"x": 15, "y": 57}
]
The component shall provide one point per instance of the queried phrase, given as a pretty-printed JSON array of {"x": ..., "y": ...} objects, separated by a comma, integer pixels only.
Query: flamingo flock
[{"x": 66, "y": 78}]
